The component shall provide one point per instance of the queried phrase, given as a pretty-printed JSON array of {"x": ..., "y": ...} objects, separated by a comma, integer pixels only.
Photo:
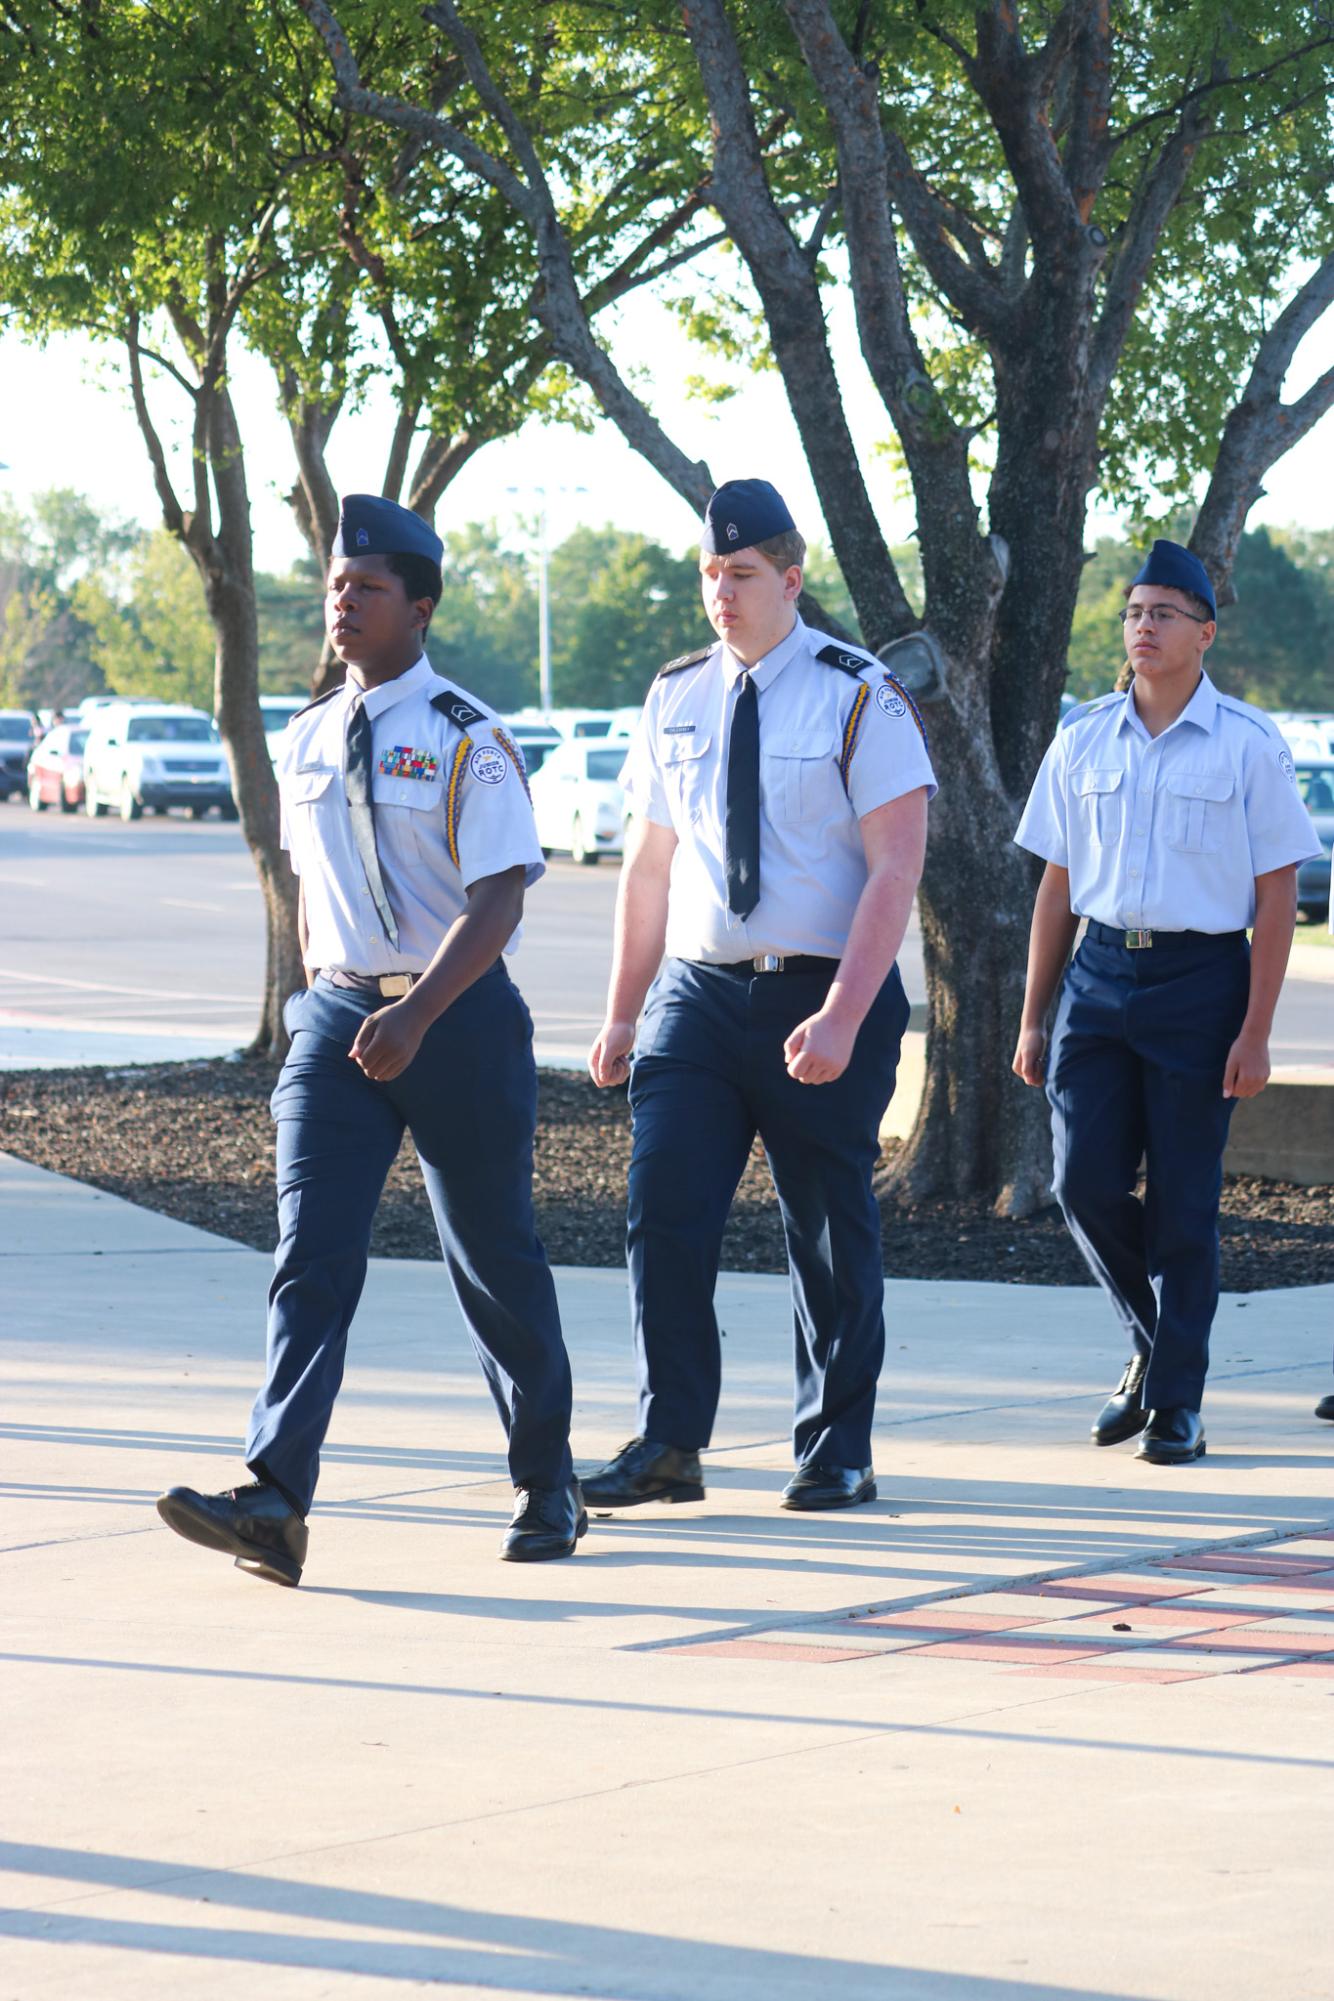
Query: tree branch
[
  {"x": 970, "y": 286},
  {"x": 1260, "y": 429},
  {"x": 559, "y": 307},
  {"x": 440, "y": 461},
  {"x": 785, "y": 278},
  {"x": 1159, "y": 194},
  {"x": 1221, "y": 79},
  {"x": 173, "y": 514},
  {"x": 426, "y": 126},
  {"x": 1013, "y": 87}
]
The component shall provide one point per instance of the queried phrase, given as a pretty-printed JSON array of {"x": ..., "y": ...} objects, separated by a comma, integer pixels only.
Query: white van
[{"x": 154, "y": 754}]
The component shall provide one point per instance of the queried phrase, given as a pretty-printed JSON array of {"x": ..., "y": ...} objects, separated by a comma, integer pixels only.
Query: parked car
[
  {"x": 580, "y": 722},
  {"x": 1315, "y": 782},
  {"x": 577, "y": 802},
  {"x": 156, "y": 755},
  {"x": 18, "y": 734},
  {"x": 535, "y": 740},
  {"x": 55, "y": 769},
  {"x": 277, "y": 712},
  {"x": 1308, "y": 734}
]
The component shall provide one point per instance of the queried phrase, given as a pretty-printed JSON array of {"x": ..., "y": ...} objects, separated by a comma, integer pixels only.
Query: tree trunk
[
  {"x": 978, "y": 1128},
  {"x": 227, "y": 566}
]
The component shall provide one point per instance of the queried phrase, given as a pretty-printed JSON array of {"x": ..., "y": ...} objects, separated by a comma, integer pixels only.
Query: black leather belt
[
  {"x": 389, "y": 986},
  {"x": 774, "y": 962},
  {"x": 1141, "y": 941}
]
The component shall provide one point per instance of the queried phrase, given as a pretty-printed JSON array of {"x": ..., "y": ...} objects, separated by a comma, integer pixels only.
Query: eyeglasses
[{"x": 1160, "y": 615}]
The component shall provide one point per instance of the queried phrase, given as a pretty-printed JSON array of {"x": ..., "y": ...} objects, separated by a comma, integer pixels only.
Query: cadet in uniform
[
  {"x": 779, "y": 782},
  {"x": 406, "y": 815},
  {"x": 1169, "y": 818}
]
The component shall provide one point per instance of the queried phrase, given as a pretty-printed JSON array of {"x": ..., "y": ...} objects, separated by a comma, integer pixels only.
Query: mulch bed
[{"x": 194, "y": 1141}]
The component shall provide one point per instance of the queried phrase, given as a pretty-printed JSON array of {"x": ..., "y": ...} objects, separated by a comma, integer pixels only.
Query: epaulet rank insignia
[
  {"x": 460, "y": 712},
  {"x": 683, "y": 660},
  {"x": 855, "y": 664},
  {"x": 318, "y": 702}
]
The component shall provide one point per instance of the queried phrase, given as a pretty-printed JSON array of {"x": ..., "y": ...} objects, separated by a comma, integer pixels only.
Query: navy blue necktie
[
  {"x": 742, "y": 830},
  {"x": 357, "y": 785}
]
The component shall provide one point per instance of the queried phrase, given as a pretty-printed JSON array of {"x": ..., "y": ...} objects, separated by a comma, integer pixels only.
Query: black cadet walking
[
  {"x": 405, "y": 811},
  {"x": 779, "y": 784},
  {"x": 1168, "y": 817}
]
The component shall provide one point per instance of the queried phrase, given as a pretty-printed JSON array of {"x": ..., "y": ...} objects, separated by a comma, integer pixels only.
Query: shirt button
[{"x": 1134, "y": 871}]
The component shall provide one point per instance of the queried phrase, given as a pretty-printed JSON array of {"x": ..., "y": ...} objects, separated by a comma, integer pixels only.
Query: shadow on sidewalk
[{"x": 453, "y": 1944}]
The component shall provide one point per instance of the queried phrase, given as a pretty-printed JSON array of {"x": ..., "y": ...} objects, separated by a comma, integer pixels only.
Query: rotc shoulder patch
[
  {"x": 685, "y": 660},
  {"x": 460, "y": 712}
]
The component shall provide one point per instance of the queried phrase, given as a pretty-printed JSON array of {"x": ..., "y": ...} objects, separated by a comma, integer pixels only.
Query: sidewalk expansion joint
[{"x": 1192, "y": 1611}]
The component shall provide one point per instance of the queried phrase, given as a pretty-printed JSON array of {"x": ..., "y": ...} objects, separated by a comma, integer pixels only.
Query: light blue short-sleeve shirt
[
  {"x": 835, "y": 743},
  {"x": 1167, "y": 832},
  {"x": 450, "y": 804}
]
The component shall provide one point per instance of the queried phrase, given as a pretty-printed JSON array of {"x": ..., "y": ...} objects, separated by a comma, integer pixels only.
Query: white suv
[{"x": 150, "y": 754}]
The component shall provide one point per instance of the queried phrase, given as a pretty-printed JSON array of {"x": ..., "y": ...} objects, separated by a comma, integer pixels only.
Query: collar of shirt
[
  {"x": 377, "y": 700},
  {"x": 770, "y": 665},
  {"x": 1200, "y": 710}
]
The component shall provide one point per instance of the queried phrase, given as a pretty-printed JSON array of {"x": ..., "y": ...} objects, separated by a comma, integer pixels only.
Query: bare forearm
[
  {"x": 1271, "y": 942},
  {"x": 639, "y": 939},
  {"x": 472, "y": 944},
  {"x": 1049, "y": 940},
  {"x": 876, "y": 933}
]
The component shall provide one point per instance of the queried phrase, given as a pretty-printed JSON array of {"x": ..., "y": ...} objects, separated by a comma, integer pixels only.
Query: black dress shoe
[
  {"x": 548, "y": 1522},
  {"x": 253, "y": 1524},
  {"x": 815, "y": 1486},
  {"x": 1325, "y": 1409},
  {"x": 645, "y": 1471},
  {"x": 1123, "y": 1415},
  {"x": 1172, "y": 1438}
]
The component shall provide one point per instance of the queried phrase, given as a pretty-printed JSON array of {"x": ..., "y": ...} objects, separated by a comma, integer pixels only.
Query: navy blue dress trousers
[
  {"x": 1135, "y": 1073},
  {"x": 468, "y": 1098},
  {"x": 708, "y": 1076}
]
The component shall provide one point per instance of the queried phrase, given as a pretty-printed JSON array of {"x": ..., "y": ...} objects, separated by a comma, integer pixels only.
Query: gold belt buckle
[
  {"x": 767, "y": 962},
  {"x": 393, "y": 986},
  {"x": 1138, "y": 941}
]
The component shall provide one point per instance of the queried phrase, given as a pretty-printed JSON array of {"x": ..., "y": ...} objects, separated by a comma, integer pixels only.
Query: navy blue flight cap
[
  {"x": 369, "y": 525},
  {"x": 742, "y": 513},
  {"x": 1169, "y": 564}
]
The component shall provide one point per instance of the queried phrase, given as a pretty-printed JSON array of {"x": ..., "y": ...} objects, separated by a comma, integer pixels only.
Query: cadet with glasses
[
  {"x": 1168, "y": 817},
  {"x": 406, "y": 814}
]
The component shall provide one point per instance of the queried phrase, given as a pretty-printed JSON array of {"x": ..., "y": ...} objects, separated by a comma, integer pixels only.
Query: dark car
[
  {"x": 1315, "y": 782},
  {"x": 18, "y": 733}
]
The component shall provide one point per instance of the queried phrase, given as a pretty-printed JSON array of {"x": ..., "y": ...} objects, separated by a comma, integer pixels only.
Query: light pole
[{"x": 539, "y": 493}]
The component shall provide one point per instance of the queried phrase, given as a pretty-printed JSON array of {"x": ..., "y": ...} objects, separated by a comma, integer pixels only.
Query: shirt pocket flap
[
  {"x": 818, "y": 744},
  {"x": 1086, "y": 782},
  {"x": 685, "y": 749},
  {"x": 303, "y": 786},
  {"x": 1215, "y": 785},
  {"x": 417, "y": 793}
]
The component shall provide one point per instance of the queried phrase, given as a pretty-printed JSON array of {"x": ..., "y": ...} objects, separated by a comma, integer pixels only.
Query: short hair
[
  {"x": 420, "y": 577},
  {"x": 784, "y": 550},
  {"x": 1197, "y": 604}
]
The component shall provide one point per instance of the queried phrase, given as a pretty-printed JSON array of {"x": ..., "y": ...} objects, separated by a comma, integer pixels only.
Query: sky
[{"x": 66, "y": 421}]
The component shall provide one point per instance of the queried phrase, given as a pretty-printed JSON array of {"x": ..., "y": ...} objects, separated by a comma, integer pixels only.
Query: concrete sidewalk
[{"x": 723, "y": 1752}]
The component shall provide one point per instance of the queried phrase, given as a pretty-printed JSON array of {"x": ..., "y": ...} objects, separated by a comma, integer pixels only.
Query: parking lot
[{"x": 129, "y": 942}]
